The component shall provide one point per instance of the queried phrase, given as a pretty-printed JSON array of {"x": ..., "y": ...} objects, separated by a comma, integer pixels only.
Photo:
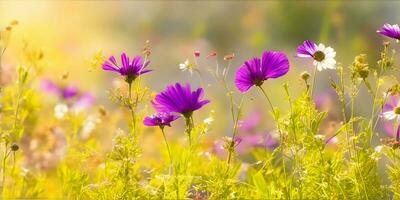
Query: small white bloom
[
  {"x": 324, "y": 58},
  {"x": 60, "y": 110},
  {"x": 208, "y": 120},
  {"x": 186, "y": 66},
  {"x": 378, "y": 149}
]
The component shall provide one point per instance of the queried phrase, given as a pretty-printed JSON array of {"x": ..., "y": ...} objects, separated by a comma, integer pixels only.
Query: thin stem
[
  {"x": 131, "y": 108},
  {"x": 281, "y": 139},
  {"x": 4, "y": 169},
  {"x": 189, "y": 127},
  {"x": 269, "y": 101},
  {"x": 314, "y": 78},
  {"x": 166, "y": 144}
]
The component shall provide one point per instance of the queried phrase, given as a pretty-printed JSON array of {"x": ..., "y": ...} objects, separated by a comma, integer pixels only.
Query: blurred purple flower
[
  {"x": 179, "y": 99},
  {"x": 273, "y": 64},
  {"x": 392, "y": 31},
  {"x": 247, "y": 143},
  {"x": 131, "y": 70},
  {"x": 69, "y": 93},
  {"x": 66, "y": 92},
  {"x": 160, "y": 119},
  {"x": 391, "y": 109},
  {"x": 250, "y": 122}
]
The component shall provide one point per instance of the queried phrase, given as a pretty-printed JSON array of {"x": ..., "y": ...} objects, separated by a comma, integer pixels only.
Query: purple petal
[
  {"x": 392, "y": 31},
  {"x": 84, "y": 101},
  {"x": 246, "y": 74},
  {"x": 69, "y": 92},
  {"x": 275, "y": 64},
  {"x": 307, "y": 49},
  {"x": 50, "y": 86}
]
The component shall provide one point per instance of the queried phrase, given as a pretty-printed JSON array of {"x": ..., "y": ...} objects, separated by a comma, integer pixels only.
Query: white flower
[
  {"x": 208, "y": 120},
  {"x": 186, "y": 66},
  {"x": 60, "y": 110},
  {"x": 324, "y": 58}
]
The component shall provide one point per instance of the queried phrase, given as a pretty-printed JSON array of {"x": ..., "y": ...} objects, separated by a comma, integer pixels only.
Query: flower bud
[
  {"x": 305, "y": 75},
  {"x": 196, "y": 54},
  {"x": 14, "y": 147}
]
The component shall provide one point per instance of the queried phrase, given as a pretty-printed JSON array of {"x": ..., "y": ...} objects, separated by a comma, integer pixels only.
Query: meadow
[{"x": 128, "y": 100}]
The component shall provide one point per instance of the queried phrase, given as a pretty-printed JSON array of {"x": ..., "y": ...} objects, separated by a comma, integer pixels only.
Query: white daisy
[
  {"x": 187, "y": 66},
  {"x": 324, "y": 57}
]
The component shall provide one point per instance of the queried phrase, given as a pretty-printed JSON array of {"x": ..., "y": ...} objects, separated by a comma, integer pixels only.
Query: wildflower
[
  {"x": 60, "y": 110},
  {"x": 272, "y": 64},
  {"x": 187, "y": 66},
  {"x": 160, "y": 119},
  {"x": 324, "y": 57},
  {"x": 131, "y": 70},
  {"x": 212, "y": 54},
  {"x": 14, "y": 147},
  {"x": 392, "y": 31},
  {"x": 391, "y": 110},
  {"x": 64, "y": 92},
  {"x": 196, "y": 54},
  {"x": 229, "y": 56},
  {"x": 305, "y": 76},
  {"x": 179, "y": 99},
  {"x": 75, "y": 99}
]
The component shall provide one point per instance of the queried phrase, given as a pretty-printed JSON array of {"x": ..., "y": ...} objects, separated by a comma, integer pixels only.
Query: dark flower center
[
  {"x": 258, "y": 82},
  {"x": 130, "y": 78},
  {"x": 319, "y": 56},
  {"x": 397, "y": 110}
]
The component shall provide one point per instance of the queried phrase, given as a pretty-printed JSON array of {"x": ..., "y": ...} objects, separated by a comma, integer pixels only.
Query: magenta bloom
[
  {"x": 179, "y": 99},
  {"x": 272, "y": 64},
  {"x": 392, "y": 31},
  {"x": 160, "y": 119},
  {"x": 131, "y": 70},
  {"x": 77, "y": 99},
  {"x": 64, "y": 92}
]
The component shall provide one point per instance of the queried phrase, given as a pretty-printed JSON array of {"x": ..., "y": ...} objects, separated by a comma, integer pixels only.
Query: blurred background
[{"x": 70, "y": 34}]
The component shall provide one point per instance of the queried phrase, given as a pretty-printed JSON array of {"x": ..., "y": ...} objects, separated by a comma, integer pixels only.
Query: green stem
[
  {"x": 166, "y": 144},
  {"x": 312, "y": 86},
  {"x": 131, "y": 108},
  {"x": 189, "y": 127},
  {"x": 281, "y": 139}
]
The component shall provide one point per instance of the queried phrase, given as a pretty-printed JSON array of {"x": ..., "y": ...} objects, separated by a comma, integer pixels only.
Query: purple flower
[
  {"x": 272, "y": 64},
  {"x": 179, "y": 99},
  {"x": 78, "y": 100},
  {"x": 392, "y": 31},
  {"x": 160, "y": 119},
  {"x": 64, "y": 92},
  {"x": 391, "y": 109},
  {"x": 131, "y": 70}
]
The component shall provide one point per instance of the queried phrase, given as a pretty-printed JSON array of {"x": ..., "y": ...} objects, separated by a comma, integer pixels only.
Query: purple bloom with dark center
[
  {"x": 392, "y": 31},
  {"x": 131, "y": 70},
  {"x": 179, "y": 99},
  {"x": 160, "y": 119},
  {"x": 272, "y": 64}
]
